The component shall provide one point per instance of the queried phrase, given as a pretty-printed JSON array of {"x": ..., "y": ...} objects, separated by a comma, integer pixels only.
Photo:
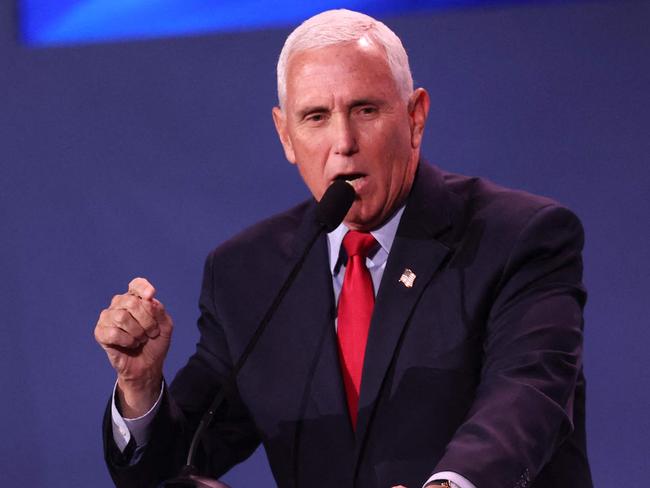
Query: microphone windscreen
[{"x": 334, "y": 205}]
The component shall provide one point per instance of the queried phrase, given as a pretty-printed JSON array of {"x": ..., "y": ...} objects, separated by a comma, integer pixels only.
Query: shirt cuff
[
  {"x": 138, "y": 427},
  {"x": 456, "y": 480}
]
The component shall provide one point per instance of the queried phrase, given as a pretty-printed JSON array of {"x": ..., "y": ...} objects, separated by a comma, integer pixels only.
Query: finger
[
  {"x": 122, "y": 319},
  {"x": 160, "y": 315},
  {"x": 140, "y": 311},
  {"x": 140, "y": 287},
  {"x": 159, "y": 312},
  {"x": 110, "y": 337},
  {"x": 118, "y": 301}
]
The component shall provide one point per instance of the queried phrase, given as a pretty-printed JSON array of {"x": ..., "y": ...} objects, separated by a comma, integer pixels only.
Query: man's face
[{"x": 344, "y": 118}]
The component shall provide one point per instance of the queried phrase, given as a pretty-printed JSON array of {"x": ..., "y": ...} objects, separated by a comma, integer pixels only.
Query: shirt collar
[{"x": 385, "y": 235}]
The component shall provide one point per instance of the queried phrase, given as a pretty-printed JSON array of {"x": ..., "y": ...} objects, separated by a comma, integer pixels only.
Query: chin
[{"x": 359, "y": 222}]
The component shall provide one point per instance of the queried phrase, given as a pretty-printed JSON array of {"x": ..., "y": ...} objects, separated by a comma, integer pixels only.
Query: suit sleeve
[
  {"x": 532, "y": 349},
  {"x": 232, "y": 435}
]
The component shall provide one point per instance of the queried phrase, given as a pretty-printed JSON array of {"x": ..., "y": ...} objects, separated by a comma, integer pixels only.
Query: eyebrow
[
  {"x": 355, "y": 103},
  {"x": 367, "y": 101},
  {"x": 311, "y": 109}
]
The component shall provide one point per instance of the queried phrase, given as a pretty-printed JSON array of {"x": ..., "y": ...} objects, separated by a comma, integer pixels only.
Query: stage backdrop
[{"x": 137, "y": 158}]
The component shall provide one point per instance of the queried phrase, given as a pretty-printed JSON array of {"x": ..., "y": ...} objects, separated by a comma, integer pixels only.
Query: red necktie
[{"x": 355, "y": 310}]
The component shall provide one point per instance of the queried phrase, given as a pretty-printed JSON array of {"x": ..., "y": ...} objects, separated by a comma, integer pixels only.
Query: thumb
[{"x": 159, "y": 312}]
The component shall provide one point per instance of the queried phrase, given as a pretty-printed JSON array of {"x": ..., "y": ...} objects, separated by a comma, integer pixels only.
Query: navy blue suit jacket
[{"x": 475, "y": 369}]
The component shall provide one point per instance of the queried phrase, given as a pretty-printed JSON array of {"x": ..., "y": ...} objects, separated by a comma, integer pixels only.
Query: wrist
[{"x": 135, "y": 398}]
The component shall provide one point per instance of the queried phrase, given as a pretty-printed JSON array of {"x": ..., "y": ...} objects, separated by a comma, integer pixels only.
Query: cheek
[
  {"x": 311, "y": 149},
  {"x": 312, "y": 175},
  {"x": 389, "y": 141}
]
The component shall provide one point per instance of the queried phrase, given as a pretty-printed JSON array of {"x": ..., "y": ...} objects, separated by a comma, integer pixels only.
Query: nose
[{"x": 345, "y": 140}]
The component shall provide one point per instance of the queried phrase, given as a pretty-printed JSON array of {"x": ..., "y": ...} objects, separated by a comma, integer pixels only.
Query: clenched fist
[{"x": 135, "y": 331}]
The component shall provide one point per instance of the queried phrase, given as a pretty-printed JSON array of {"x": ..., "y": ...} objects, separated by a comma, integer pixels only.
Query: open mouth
[
  {"x": 350, "y": 177},
  {"x": 356, "y": 180}
]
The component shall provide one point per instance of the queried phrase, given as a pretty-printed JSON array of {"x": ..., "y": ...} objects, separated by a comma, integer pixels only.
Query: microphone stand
[{"x": 330, "y": 212}]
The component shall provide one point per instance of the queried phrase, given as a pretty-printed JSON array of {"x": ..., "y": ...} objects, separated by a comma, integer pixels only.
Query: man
[{"x": 434, "y": 338}]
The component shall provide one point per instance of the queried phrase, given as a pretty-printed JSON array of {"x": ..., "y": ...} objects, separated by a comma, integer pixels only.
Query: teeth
[
  {"x": 354, "y": 182},
  {"x": 351, "y": 177}
]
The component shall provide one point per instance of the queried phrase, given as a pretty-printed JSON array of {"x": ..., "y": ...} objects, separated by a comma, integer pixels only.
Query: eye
[
  {"x": 315, "y": 119},
  {"x": 367, "y": 110}
]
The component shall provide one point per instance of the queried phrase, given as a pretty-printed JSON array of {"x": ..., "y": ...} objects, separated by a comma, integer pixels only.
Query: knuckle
[
  {"x": 130, "y": 302},
  {"x": 121, "y": 316},
  {"x": 111, "y": 336},
  {"x": 149, "y": 325},
  {"x": 139, "y": 333},
  {"x": 103, "y": 322}
]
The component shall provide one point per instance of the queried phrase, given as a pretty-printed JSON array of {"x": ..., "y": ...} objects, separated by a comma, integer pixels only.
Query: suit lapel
[
  {"x": 418, "y": 248},
  {"x": 313, "y": 297}
]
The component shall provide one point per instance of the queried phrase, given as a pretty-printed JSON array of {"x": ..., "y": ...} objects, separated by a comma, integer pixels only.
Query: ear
[
  {"x": 280, "y": 121},
  {"x": 418, "y": 111}
]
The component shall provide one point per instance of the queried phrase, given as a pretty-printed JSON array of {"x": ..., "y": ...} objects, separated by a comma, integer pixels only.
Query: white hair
[{"x": 339, "y": 26}]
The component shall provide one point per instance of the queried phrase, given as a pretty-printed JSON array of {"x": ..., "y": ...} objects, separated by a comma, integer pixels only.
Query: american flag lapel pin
[{"x": 407, "y": 278}]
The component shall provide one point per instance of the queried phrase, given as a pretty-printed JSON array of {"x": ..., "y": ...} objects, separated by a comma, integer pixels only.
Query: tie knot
[{"x": 358, "y": 243}]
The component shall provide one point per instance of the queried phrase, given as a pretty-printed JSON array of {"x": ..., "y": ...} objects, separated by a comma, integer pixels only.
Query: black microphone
[
  {"x": 330, "y": 212},
  {"x": 335, "y": 204}
]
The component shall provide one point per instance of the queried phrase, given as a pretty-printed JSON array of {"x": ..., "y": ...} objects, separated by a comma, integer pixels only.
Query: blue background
[
  {"x": 68, "y": 21},
  {"x": 136, "y": 158}
]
